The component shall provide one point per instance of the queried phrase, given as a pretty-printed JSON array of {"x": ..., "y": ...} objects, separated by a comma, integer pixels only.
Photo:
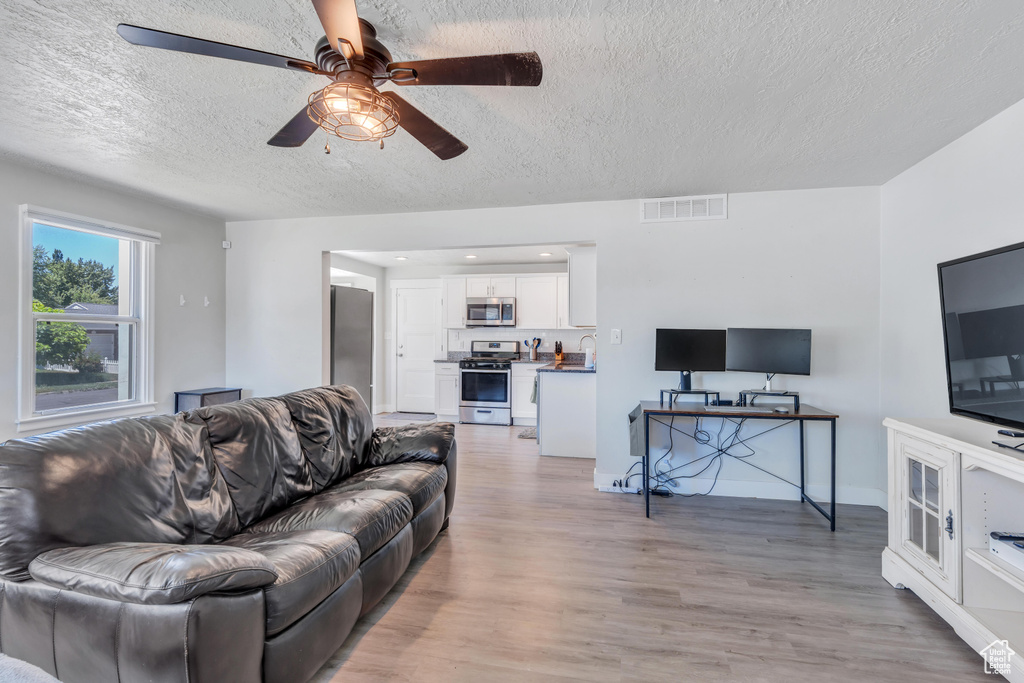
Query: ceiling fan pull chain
[
  {"x": 327, "y": 147},
  {"x": 382, "y": 143}
]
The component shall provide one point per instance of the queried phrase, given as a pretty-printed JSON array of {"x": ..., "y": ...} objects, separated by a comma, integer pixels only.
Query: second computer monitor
[{"x": 771, "y": 351}]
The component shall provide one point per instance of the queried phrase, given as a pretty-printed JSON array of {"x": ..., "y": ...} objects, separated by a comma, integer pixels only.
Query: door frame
[{"x": 391, "y": 332}]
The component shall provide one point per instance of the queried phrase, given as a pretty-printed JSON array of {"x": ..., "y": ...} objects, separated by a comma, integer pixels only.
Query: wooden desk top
[{"x": 692, "y": 409}]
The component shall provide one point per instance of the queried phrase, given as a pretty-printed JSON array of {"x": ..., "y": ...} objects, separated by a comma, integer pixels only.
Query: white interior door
[{"x": 416, "y": 329}]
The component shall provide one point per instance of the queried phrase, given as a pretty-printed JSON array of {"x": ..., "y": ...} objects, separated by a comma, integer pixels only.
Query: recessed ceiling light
[
  {"x": 470, "y": 255},
  {"x": 544, "y": 253},
  {"x": 401, "y": 258}
]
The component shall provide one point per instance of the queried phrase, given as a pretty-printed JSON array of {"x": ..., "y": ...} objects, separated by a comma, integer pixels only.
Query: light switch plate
[{"x": 616, "y": 336}]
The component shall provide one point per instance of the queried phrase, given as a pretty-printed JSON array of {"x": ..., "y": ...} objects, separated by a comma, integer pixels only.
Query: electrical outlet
[{"x": 616, "y": 336}]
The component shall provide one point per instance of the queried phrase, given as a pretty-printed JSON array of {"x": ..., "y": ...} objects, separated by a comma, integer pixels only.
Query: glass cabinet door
[
  {"x": 923, "y": 508},
  {"x": 929, "y": 537}
]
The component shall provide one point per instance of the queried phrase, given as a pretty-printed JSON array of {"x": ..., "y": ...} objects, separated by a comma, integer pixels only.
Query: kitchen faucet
[{"x": 580, "y": 347}]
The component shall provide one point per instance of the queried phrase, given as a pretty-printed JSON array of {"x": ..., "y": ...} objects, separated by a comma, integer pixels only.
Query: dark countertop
[
  {"x": 546, "y": 358},
  {"x": 567, "y": 367}
]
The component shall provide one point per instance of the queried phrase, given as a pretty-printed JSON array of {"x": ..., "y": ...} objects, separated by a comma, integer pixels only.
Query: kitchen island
[{"x": 567, "y": 410}]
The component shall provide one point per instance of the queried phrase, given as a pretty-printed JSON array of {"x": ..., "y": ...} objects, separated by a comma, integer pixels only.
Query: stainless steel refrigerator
[{"x": 352, "y": 339}]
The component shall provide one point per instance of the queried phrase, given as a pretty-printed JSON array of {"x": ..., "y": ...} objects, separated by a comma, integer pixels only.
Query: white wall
[
  {"x": 964, "y": 199},
  {"x": 190, "y": 261},
  {"x": 786, "y": 259}
]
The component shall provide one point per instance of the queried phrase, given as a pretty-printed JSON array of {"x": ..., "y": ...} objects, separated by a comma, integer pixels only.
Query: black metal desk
[{"x": 805, "y": 414}]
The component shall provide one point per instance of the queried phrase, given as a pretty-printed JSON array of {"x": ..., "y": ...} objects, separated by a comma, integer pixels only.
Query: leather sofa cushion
[
  {"x": 429, "y": 442},
  {"x": 423, "y": 482},
  {"x": 153, "y": 573},
  {"x": 257, "y": 450},
  {"x": 334, "y": 427},
  {"x": 138, "y": 479},
  {"x": 310, "y": 566},
  {"x": 372, "y": 517}
]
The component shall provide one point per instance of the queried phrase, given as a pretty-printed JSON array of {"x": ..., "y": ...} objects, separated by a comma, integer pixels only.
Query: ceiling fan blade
[
  {"x": 340, "y": 20},
  {"x": 426, "y": 130},
  {"x": 516, "y": 68},
  {"x": 295, "y": 132},
  {"x": 148, "y": 37}
]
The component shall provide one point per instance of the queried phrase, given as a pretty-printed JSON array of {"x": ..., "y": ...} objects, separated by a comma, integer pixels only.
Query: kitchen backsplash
[{"x": 459, "y": 340}]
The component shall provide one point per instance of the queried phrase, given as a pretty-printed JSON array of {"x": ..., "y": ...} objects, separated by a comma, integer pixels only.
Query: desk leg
[
  {"x": 803, "y": 486},
  {"x": 647, "y": 457},
  {"x": 833, "y": 474}
]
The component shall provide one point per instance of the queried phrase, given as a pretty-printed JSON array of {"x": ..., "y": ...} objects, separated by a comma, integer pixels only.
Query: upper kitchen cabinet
[
  {"x": 537, "y": 302},
  {"x": 562, "y": 305},
  {"x": 582, "y": 286},
  {"x": 481, "y": 287},
  {"x": 454, "y": 294}
]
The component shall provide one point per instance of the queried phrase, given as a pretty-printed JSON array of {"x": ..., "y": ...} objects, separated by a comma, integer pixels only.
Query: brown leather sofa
[{"x": 238, "y": 542}]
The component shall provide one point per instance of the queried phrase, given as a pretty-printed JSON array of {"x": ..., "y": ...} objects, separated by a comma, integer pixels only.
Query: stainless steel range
[{"x": 486, "y": 381}]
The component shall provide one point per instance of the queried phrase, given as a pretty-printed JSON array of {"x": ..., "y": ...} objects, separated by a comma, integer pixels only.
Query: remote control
[
  {"x": 1006, "y": 536},
  {"x": 1010, "y": 432}
]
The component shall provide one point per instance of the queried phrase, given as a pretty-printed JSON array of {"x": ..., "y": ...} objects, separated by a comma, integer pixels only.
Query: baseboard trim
[{"x": 849, "y": 495}]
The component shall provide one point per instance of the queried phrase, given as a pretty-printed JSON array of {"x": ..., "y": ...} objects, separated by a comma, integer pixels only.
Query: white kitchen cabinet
[
  {"x": 446, "y": 390},
  {"x": 491, "y": 286},
  {"x": 503, "y": 286},
  {"x": 582, "y": 286},
  {"x": 454, "y": 293},
  {"x": 537, "y": 302},
  {"x": 478, "y": 287},
  {"x": 562, "y": 301},
  {"x": 524, "y": 412}
]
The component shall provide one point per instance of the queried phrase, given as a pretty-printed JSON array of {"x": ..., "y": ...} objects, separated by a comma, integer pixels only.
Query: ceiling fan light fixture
[{"x": 353, "y": 111}]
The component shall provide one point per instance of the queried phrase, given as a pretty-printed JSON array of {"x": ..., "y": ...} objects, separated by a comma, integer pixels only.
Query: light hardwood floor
[{"x": 542, "y": 578}]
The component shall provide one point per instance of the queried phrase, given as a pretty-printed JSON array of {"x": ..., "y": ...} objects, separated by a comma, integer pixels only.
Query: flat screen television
[
  {"x": 687, "y": 351},
  {"x": 982, "y": 299},
  {"x": 771, "y": 351}
]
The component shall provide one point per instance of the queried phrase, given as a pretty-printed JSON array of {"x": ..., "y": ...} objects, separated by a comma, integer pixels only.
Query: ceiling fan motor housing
[{"x": 375, "y": 59}]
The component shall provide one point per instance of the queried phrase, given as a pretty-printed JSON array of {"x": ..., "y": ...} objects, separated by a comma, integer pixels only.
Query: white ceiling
[
  {"x": 485, "y": 256},
  {"x": 639, "y": 99}
]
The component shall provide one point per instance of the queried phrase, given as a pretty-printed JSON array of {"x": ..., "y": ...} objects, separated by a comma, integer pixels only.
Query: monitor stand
[{"x": 684, "y": 380}]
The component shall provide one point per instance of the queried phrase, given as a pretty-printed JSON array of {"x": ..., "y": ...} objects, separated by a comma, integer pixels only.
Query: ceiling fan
[{"x": 357, "y": 63}]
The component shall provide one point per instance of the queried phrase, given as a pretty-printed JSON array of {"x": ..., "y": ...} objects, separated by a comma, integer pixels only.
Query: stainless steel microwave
[{"x": 490, "y": 312}]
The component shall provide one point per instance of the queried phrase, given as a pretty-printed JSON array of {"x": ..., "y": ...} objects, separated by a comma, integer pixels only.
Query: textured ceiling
[{"x": 639, "y": 99}]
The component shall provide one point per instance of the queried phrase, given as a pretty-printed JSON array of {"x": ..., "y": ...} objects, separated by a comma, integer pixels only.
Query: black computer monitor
[
  {"x": 771, "y": 351},
  {"x": 686, "y": 351}
]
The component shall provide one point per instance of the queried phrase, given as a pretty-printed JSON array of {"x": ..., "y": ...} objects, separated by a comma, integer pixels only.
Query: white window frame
[{"x": 140, "y": 294}]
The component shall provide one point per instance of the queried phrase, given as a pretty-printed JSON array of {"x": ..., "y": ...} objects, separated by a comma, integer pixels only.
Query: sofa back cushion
[
  {"x": 334, "y": 427},
  {"x": 257, "y": 451},
  {"x": 136, "y": 479}
]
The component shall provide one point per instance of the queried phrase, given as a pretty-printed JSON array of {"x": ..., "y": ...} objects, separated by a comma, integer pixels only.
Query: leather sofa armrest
[
  {"x": 153, "y": 573},
  {"x": 428, "y": 442}
]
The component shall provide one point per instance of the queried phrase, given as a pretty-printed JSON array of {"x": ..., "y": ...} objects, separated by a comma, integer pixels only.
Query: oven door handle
[{"x": 492, "y": 372}]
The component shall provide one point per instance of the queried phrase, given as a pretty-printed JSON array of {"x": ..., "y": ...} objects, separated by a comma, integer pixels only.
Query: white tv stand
[{"x": 949, "y": 486}]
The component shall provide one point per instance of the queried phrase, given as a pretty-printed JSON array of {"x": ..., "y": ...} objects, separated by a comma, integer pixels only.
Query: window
[{"x": 86, "y": 329}]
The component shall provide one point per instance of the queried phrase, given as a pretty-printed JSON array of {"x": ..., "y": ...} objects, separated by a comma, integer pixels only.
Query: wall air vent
[{"x": 703, "y": 208}]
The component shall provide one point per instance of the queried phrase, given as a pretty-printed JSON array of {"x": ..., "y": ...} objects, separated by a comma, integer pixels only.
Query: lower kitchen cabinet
[
  {"x": 524, "y": 412},
  {"x": 446, "y": 391}
]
